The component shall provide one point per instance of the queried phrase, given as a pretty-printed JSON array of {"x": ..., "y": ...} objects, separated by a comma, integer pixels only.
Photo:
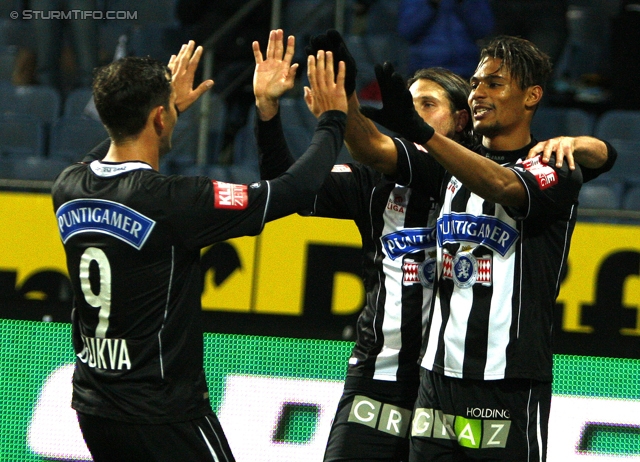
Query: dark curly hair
[
  {"x": 526, "y": 63},
  {"x": 126, "y": 90}
]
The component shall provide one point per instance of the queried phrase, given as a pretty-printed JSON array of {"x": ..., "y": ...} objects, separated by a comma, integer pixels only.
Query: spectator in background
[
  {"x": 444, "y": 33},
  {"x": 49, "y": 34}
]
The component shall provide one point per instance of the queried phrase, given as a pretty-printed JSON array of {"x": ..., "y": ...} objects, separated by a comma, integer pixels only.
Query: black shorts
[
  {"x": 194, "y": 440},
  {"x": 492, "y": 420},
  {"x": 372, "y": 421}
]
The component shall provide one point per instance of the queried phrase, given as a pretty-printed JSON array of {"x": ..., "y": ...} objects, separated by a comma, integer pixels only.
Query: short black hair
[
  {"x": 527, "y": 64},
  {"x": 126, "y": 90},
  {"x": 457, "y": 90}
]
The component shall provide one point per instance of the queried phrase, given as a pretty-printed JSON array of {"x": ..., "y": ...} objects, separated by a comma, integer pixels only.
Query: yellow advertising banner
[{"x": 301, "y": 262}]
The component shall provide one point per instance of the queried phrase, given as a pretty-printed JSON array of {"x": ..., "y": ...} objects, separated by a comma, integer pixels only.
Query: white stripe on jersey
[
  {"x": 462, "y": 300},
  {"x": 387, "y": 360},
  {"x": 213, "y": 453},
  {"x": 499, "y": 319}
]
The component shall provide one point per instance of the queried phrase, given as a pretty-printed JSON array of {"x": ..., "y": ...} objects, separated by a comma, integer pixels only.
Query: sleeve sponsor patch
[
  {"x": 545, "y": 175},
  {"x": 341, "y": 168},
  {"x": 230, "y": 196}
]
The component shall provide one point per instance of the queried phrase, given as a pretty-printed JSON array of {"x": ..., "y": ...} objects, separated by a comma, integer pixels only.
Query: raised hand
[
  {"x": 183, "y": 69},
  {"x": 398, "y": 112},
  {"x": 326, "y": 91},
  {"x": 273, "y": 75},
  {"x": 332, "y": 41}
]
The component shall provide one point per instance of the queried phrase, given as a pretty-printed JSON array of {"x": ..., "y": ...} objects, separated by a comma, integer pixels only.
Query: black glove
[
  {"x": 397, "y": 113},
  {"x": 332, "y": 41}
]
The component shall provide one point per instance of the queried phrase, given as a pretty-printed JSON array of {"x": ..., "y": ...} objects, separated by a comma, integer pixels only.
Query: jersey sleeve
[
  {"x": 202, "y": 211},
  {"x": 417, "y": 169},
  {"x": 589, "y": 174},
  {"x": 551, "y": 191}
]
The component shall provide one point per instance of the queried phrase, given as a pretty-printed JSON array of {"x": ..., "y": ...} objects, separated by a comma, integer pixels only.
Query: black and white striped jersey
[
  {"x": 498, "y": 268},
  {"x": 397, "y": 228}
]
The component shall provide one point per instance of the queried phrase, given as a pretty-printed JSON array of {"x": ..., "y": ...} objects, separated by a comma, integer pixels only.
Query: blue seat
[
  {"x": 76, "y": 101},
  {"x": 601, "y": 194},
  {"x": 627, "y": 166},
  {"x": 631, "y": 199},
  {"x": 245, "y": 149},
  {"x": 618, "y": 124},
  {"x": 21, "y": 135},
  {"x": 74, "y": 136},
  {"x": 38, "y": 168},
  {"x": 550, "y": 122},
  {"x": 39, "y": 101},
  {"x": 186, "y": 134}
]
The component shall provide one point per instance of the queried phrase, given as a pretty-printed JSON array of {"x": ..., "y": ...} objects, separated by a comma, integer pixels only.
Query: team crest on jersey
[
  {"x": 102, "y": 216},
  {"x": 545, "y": 175},
  {"x": 230, "y": 196},
  {"x": 478, "y": 229},
  {"x": 427, "y": 271},
  {"x": 408, "y": 240},
  {"x": 466, "y": 269},
  {"x": 423, "y": 272}
]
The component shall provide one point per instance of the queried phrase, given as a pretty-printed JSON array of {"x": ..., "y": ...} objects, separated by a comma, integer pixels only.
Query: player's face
[
  {"x": 170, "y": 116},
  {"x": 497, "y": 102},
  {"x": 433, "y": 105}
]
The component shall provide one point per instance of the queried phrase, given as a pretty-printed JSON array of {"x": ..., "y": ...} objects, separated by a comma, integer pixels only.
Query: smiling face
[
  {"x": 434, "y": 107},
  {"x": 501, "y": 110}
]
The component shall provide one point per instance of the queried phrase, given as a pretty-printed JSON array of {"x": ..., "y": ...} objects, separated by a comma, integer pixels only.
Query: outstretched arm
[
  {"x": 594, "y": 155},
  {"x": 481, "y": 175},
  {"x": 296, "y": 188},
  {"x": 363, "y": 139},
  {"x": 273, "y": 76}
]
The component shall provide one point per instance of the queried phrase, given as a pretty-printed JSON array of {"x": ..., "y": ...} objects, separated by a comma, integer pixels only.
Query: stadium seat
[
  {"x": 74, "y": 136},
  {"x": 245, "y": 149},
  {"x": 601, "y": 194},
  {"x": 631, "y": 200},
  {"x": 76, "y": 102},
  {"x": 627, "y": 166},
  {"x": 38, "y": 168},
  {"x": 21, "y": 135},
  {"x": 39, "y": 101},
  {"x": 186, "y": 134},
  {"x": 618, "y": 124},
  {"x": 550, "y": 122}
]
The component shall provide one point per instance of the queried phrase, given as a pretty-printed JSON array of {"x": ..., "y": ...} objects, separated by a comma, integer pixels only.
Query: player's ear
[
  {"x": 462, "y": 118},
  {"x": 534, "y": 95},
  {"x": 157, "y": 118}
]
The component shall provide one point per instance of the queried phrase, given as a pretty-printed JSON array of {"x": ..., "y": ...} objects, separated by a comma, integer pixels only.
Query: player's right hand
[{"x": 326, "y": 91}]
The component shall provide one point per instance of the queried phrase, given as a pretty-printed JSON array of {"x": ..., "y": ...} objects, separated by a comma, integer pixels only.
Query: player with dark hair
[
  {"x": 396, "y": 225},
  {"x": 132, "y": 238},
  {"x": 503, "y": 238}
]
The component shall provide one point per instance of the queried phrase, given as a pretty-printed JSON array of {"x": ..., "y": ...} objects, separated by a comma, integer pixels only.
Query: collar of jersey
[
  {"x": 108, "y": 169},
  {"x": 503, "y": 157}
]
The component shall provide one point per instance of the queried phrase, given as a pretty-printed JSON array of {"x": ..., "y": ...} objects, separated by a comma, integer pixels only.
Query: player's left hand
[
  {"x": 562, "y": 146},
  {"x": 183, "y": 69},
  {"x": 398, "y": 112}
]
